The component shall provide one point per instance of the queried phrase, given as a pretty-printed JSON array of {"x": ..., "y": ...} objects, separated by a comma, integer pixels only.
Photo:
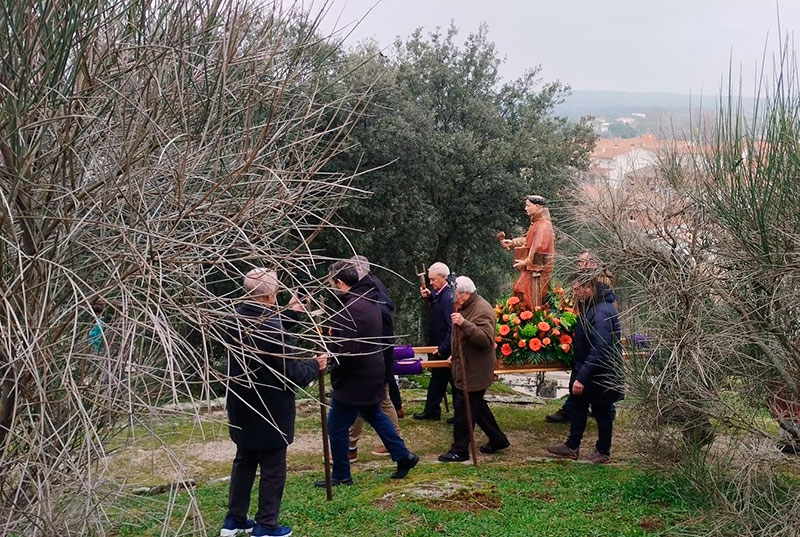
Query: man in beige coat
[{"x": 472, "y": 349}]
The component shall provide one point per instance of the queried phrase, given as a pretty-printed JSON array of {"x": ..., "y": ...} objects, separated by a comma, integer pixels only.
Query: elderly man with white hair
[
  {"x": 262, "y": 377},
  {"x": 473, "y": 352},
  {"x": 440, "y": 300}
]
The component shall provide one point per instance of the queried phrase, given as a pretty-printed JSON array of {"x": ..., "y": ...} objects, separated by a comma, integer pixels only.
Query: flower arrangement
[{"x": 541, "y": 335}]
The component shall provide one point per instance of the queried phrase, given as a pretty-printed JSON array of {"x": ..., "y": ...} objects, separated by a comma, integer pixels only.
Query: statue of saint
[{"x": 533, "y": 254}]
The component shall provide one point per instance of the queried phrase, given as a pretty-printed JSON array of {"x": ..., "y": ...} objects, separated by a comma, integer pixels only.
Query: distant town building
[{"x": 612, "y": 158}]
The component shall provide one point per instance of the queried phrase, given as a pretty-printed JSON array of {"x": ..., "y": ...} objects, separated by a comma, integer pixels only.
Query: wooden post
[{"x": 323, "y": 416}]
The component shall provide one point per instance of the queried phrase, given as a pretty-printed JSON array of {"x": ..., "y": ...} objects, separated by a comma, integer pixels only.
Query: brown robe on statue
[{"x": 540, "y": 242}]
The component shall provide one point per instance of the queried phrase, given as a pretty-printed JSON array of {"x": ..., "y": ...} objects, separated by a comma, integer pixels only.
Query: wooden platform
[{"x": 540, "y": 368}]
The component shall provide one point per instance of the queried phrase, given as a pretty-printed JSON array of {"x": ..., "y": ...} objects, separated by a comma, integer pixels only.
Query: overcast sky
[{"x": 675, "y": 46}]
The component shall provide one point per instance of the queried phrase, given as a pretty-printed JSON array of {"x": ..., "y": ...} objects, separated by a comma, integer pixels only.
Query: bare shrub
[
  {"x": 150, "y": 153},
  {"x": 707, "y": 250}
]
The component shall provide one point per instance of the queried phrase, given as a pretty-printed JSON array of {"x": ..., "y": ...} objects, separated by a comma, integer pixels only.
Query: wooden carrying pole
[
  {"x": 325, "y": 443},
  {"x": 323, "y": 416}
]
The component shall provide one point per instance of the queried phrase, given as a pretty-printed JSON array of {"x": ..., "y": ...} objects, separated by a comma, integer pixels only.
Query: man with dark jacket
[
  {"x": 357, "y": 374},
  {"x": 387, "y": 344},
  {"x": 587, "y": 262},
  {"x": 262, "y": 376},
  {"x": 439, "y": 333},
  {"x": 473, "y": 352},
  {"x": 596, "y": 378}
]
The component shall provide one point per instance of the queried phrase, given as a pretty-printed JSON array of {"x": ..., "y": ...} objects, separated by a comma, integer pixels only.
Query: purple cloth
[
  {"x": 401, "y": 352},
  {"x": 408, "y": 367}
]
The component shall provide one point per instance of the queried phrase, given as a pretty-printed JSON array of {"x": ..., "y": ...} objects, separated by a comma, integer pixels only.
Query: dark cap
[{"x": 537, "y": 200}]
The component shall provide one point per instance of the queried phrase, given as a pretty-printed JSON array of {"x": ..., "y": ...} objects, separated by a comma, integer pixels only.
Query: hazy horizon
[{"x": 682, "y": 47}]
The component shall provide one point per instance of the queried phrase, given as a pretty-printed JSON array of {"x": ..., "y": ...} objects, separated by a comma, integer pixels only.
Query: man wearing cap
[{"x": 534, "y": 277}]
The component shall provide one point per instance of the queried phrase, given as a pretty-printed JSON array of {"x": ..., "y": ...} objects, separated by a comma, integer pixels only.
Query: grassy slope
[{"x": 518, "y": 492}]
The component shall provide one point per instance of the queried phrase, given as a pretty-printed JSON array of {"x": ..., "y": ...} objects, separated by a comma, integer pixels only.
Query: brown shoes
[
  {"x": 599, "y": 458},
  {"x": 564, "y": 451}
]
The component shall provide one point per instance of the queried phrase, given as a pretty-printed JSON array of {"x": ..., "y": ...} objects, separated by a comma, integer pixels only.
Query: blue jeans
[{"x": 341, "y": 416}]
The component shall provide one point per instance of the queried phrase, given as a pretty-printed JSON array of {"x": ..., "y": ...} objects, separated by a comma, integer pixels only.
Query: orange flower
[
  {"x": 522, "y": 343},
  {"x": 505, "y": 318},
  {"x": 504, "y": 330},
  {"x": 513, "y": 301},
  {"x": 526, "y": 315},
  {"x": 556, "y": 321},
  {"x": 543, "y": 326},
  {"x": 565, "y": 339},
  {"x": 498, "y": 339},
  {"x": 535, "y": 344},
  {"x": 505, "y": 350},
  {"x": 516, "y": 320},
  {"x": 545, "y": 341},
  {"x": 556, "y": 331},
  {"x": 565, "y": 347}
]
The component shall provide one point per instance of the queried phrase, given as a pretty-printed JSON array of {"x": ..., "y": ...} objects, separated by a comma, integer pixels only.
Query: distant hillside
[{"x": 668, "y": 115}]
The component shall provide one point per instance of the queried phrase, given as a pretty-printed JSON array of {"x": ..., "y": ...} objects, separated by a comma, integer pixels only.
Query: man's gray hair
[
  {"x": 362, "y": 265},
  {"x": 261, "y": 282},
  {"x": 439, "y": 269},
  {"x": 464, "y": 285}
]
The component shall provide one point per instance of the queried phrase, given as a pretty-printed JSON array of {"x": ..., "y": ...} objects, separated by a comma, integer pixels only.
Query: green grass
[
  {"x": 516, "y": 493},
  {"x": 543, "y": 498}
]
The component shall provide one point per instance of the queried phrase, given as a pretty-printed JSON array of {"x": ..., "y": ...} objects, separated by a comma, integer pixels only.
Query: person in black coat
[
  {"x": 388, "y": 405},
  {"x": 357, "y": 374},
  {"x": 262, "y": 377},
  {"x": 440, "y": 328},
  {"x": 596, "y": 377}
]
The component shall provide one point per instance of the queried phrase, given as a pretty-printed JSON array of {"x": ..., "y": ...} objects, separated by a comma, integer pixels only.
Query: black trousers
[
  {"x": 270, "y": 486},
  {"x": 481, "y": 416},
  {"x": 603, "y": 411},
  {"x": 437, "y": 390}
]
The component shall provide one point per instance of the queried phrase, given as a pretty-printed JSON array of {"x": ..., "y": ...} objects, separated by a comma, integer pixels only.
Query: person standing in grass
[
  {"x": 473, "y": 359},
  {"x": 357, "y": 374},
  {"x": 262, "y": 377},
  {"x": 596, "y": 378},
  {"x": 388, "y": 407},
  {"x": 440, "y": 328},
  {"x": 588, "y": 262}
]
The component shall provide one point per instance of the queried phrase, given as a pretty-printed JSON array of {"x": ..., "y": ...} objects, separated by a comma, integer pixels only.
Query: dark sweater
[{"x": 357, "y": 370}]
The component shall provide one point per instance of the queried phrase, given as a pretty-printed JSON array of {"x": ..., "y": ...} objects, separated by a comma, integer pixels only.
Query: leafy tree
[
  {"x": 622, "y": 130},
  {"x": 452, "y": 151}
]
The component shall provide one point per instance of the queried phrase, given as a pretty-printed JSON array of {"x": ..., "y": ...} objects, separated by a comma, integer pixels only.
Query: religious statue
[{"x": 533, "y": 254}]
